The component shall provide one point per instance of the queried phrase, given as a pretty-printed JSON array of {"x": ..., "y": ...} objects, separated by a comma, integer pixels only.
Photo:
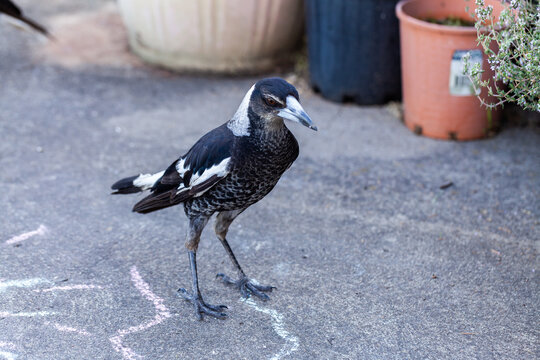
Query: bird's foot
[
  {"x": 201, "y": 307},
  {"x": 247, "y": 286}
]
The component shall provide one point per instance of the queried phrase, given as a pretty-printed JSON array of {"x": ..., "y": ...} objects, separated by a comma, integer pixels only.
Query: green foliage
[
  {"x": 516, "y": 63},
  {"x": 450, "y": 21}
]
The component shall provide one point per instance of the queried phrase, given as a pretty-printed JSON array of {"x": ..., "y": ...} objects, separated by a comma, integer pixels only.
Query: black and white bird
[
  {"x": 8, "y": 8},
  {"x": 227, "y": 170}
]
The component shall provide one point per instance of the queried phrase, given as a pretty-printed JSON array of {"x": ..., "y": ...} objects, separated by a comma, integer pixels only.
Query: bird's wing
[{"x": 203, "y": 166}]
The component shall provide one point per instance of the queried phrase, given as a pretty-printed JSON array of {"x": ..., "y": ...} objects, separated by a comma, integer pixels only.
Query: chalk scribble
[
  {"x": 162, "y": 313},
  {"x": 41, "y": 230},
  {"x": 25, "y": 283},
  {"x": 279, "y": 327},
  {"x": 64, "y": 328},
  {"x": 5, "y": 314},
  {"x": 69, "y": 287}
]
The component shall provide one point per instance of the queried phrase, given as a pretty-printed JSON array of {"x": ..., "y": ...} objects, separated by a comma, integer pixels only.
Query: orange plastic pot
[{"x": 438, "y": 99}]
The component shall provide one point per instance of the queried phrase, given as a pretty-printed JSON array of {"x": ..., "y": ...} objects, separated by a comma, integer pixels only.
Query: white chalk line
[
  {"x": 24, "y": 283},
  {"x": 279, "y": 328},
  {"x": 5, "y": 314},
  {"x": 41, "y": 230},
  {"x": 69, "y": 329},
  {"x": 69, "y": 287},
  {"x": 162, "y": 314},
  {"x": 8, "y": 355}
]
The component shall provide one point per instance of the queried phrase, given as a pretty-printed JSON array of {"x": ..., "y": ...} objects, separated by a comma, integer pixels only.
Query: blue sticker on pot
[{"x": 460, "y": 84}]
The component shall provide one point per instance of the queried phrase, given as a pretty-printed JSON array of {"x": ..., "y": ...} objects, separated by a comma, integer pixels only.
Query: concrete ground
[{"x": 371, "y": 259}]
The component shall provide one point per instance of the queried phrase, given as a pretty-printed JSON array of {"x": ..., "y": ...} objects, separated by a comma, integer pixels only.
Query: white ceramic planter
[{"x": 213, "y": 35}]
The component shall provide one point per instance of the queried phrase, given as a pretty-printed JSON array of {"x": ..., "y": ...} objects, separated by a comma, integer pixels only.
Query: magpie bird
[
  {"x": 227, "y": 170},
  {"x": 9, "y": 8}
]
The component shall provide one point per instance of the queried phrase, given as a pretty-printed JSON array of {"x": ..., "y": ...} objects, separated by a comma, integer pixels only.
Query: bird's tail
[
  {"x": 25, "y": 23},
  {"x": 137, "y": 183},
  {"x": 34, "y": 25}
]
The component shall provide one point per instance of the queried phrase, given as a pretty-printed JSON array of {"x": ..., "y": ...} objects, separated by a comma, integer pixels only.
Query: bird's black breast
[
  {"x": 272, "y": 152},
  {"x": 257, "y": 164}
]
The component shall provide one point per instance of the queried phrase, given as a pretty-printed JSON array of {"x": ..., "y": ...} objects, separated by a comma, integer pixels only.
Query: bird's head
[
  {"x": 270, "y": 100},
  {"x": 274, "y": 99}
]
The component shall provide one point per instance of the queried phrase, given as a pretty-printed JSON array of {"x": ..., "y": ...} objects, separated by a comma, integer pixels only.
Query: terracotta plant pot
[
  {"x": 438, "y": 100},
  {"x": 218, "y": 36}
]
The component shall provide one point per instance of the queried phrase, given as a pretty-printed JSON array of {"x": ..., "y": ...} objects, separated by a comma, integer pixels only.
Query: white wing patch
[
  {"x": 239, "y": 124},
  {"x": 146, "y": 181},
  {"x": 220, "y": 170}
]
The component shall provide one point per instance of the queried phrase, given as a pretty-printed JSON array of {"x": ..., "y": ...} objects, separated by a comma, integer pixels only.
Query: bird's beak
[{"x": 295, "y": 112}]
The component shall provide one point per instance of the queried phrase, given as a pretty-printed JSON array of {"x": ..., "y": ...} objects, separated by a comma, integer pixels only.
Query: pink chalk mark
[
  {"x": 162, "y": 314},
  {"x": 69, "y": 287},
  {"x": 64, "y": 328},
  {"x": 17, "y": 239}
]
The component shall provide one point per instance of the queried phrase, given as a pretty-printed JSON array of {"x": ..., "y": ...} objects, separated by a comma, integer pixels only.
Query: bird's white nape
[{"x": 239, "y": 124}]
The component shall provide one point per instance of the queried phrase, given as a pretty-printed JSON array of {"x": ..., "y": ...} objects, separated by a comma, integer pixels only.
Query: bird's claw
[
  {"x": 247, "y": 286},
  {"x": 201, "y": 307}
]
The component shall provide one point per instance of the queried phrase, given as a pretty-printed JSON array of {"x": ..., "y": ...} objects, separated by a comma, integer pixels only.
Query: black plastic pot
[{"x": 353, "y": 49}]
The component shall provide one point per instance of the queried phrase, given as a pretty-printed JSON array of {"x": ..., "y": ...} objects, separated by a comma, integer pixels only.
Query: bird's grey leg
[
  {"x": 196, "y": 227},
  {"x": 244, "y": 284}
]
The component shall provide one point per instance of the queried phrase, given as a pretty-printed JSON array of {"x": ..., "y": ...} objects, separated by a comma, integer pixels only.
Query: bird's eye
[{"x": 271, "y": 102}]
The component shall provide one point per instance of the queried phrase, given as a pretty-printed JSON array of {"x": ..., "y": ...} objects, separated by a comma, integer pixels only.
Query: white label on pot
[{"x": 460, "y": 85}]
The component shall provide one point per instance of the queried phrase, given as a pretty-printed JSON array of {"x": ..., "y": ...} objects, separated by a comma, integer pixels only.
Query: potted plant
[
  {"x": 218, "y": 36},
  {"x": 516, "y": 65},
  {"x": 353, "y": 49},
  {"x": 439, "y": 100}
]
